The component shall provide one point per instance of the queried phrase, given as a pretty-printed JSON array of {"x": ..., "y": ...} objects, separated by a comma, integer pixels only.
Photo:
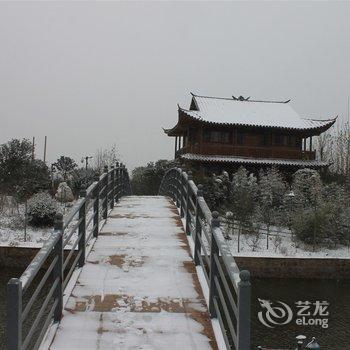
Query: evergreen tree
[
  {"x": 244, "y": 199},
  {"x": 65, "y": 166},
  {"x": 272, "y": 191},
  {"x": 20, "y": 174}
]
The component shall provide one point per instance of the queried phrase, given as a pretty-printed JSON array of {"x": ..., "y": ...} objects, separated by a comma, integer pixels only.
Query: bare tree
[
  {"x": 334, "y": 146},
  {"x": 105, "y": 156}
]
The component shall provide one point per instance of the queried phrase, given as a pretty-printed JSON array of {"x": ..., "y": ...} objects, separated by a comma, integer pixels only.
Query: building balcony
[{"x": 275, "y": 152}]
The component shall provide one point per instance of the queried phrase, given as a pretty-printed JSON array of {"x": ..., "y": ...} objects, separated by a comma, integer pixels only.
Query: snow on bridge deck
[{"x": 138, "y": 288}]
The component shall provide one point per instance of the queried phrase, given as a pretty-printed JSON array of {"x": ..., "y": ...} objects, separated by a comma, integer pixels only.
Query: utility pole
[
  {"x": 45, "y": 143},
  {"x": 86, "y": 159},
  {"x": 347, "y": 138},
  {"x": 33, "y": 148}
]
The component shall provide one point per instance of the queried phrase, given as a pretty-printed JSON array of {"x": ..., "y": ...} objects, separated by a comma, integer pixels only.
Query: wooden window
[
  {"x": 240, "y": 138},
  {"x": 278, "y": 139},
  {"x": 225, "y": 137},
  {"x": 265, "y": 139},
  {"x": 206, "y": 135},
  {"x": 216, "y": 136},
  {"x": 297, "y": 141}
]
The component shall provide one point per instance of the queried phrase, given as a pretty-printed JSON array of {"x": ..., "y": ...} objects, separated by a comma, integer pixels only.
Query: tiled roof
[
  {"x": 250, "y": 113},
  {"x": 246, "y": 160}
]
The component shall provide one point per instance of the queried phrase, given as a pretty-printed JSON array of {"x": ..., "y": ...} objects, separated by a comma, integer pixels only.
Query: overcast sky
[{"x": 89, "y": 75}]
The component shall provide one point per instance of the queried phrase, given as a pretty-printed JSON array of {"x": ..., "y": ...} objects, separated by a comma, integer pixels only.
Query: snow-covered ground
[
  {"x": 280, "y": 243},
  {"x": 13, "y": 233}
]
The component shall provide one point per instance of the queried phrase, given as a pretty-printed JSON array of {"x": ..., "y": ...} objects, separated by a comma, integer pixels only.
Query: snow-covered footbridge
[
  {"x": 138, "y": 288},
  {"x": 133, "y": 272}
]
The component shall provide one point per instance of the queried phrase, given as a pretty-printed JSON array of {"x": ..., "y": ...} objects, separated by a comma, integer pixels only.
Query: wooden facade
[{"x": 199, "y": 133}]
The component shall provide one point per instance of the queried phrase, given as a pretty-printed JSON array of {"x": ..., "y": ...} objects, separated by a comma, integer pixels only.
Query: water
[{"x": 289, "y": 291}]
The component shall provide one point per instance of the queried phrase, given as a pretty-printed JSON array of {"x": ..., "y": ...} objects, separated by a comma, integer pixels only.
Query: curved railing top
[
  {"x": 72, "y": 235},
  {"x": 223, "y": 246},
  {"x": 229, "y": 288}
]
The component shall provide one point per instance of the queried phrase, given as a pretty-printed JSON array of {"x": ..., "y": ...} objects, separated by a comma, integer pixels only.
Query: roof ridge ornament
[{"x": 240, "y": 98}]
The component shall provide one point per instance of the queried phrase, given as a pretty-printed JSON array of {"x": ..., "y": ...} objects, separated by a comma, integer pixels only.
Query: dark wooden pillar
[{"x": 310, "y": 143}]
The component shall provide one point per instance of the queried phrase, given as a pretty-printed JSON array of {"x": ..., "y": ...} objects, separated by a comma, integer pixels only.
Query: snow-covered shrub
[
  {"x": 320, "y": 213},
  {"x": 307, "y": 187},
  {"x": 337, "y": 204},
  {"x": 42, "y": 209},
  {"x": 244, "y": 190},
  {"x": 217, "y": 191},
  {"x": 272, "y": 190},
  {"x": 309, "y": 225}
]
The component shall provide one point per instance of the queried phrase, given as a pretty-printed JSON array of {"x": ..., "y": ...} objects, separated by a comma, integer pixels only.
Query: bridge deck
[{"x": 138, "y": 288}]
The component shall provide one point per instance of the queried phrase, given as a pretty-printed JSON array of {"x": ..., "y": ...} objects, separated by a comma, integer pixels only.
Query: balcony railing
[{"x": 248, "y": 151}]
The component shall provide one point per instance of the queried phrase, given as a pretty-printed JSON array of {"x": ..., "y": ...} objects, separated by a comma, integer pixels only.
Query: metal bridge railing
[
  {"x": 59, "y": 263},
  {"x": 229, "y": 288}
]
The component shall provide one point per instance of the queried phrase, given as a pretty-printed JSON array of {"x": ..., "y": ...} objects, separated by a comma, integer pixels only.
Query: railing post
[
  {"x": 182, "y": 212},
  {"x": 198, "y": 234},
  {"x": 96, "y": 220},
  {"x": 113, "y": 187},
  {"x": 214, "y": 251},
  {"x": 188, "y": 215},
  {"x": 176, "y": 187},
  {"x": 123, "y": 182},
  {"x": 243, "y": 320},
  {"x": 58, "y": 269},
  {"x": 14, "y": 314},
  {"x": 117, "y": 181},
  {"x": 129, "y": 184},
  {"x": 82, "y": 229},
  {"x": 105, "y": 203}
]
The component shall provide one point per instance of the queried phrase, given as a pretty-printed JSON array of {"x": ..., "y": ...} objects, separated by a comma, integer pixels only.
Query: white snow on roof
[
  {"x": 251, "y": 113},
  {"x": 246, "y": 160}
]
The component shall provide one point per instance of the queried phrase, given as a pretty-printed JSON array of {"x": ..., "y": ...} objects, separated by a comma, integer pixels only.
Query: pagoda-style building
[{"x": 218, "y": 133}]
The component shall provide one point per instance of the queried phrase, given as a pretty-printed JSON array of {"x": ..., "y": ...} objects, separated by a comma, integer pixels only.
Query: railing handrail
[
  {"x": 111, "y": 186},
  {"x": 36, "y": 264},
  {"x": 230, "y": 305}
]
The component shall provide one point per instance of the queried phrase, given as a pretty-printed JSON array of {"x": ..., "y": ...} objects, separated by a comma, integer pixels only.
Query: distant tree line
[{"x": 30, "y": 181}]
